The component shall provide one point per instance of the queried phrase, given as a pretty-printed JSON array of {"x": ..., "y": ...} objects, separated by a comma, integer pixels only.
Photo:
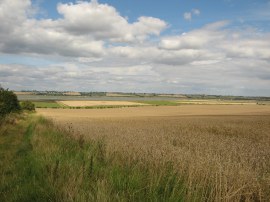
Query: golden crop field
[
  {"x": 226, "y": 147},
  {"x": 150, "y": 111},
  {"x": 217, "y": 102}
]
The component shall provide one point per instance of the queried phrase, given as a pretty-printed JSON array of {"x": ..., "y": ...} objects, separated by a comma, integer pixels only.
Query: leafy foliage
[
  {"x": 28, "y": 105},
  {"x": 8, "y": 102}
]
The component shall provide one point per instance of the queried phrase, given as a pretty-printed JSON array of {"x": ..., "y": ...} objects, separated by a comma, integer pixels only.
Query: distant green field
[
  {"x": 48, "y": 104},
  {"x": 55, "y": 104}
]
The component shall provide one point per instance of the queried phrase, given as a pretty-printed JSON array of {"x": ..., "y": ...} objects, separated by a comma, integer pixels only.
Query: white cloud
[
  {"x": 195, "y": 39},
  {"x": 99, "y": 49},
  {"x": 102, "y": 21},
  {"x": 188, "y": 15},
  {"x": 204, "y": 62},
  {"x": 255, "y": 47},
  {"x": 82, "y": 32},
  {"x": 147, "y": 26},
  {"x": 189, "y": 41},
  {"x": 196, "y": 11}
]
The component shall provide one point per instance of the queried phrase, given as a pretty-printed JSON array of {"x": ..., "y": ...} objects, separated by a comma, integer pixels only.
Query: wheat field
[{"x": 220, "y": 151}]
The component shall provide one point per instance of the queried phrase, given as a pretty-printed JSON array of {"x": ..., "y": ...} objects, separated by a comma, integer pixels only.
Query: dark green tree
[
  {"x": 27, "y": 105},
  {"x": 8, "y": 102}
]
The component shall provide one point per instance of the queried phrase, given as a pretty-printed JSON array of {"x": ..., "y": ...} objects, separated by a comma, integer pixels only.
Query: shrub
[
  {"x": 8, "y": 102},
  {"x": 27, "y": 105}
]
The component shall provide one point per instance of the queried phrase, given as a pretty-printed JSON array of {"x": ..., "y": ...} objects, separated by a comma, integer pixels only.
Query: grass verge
[{"x": 42, "y": 163}]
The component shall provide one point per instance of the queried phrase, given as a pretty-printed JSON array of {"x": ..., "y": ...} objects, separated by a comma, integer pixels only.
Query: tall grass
[
  {"x": 41, "y": 161},
  {"x": 45, "y": 163}
]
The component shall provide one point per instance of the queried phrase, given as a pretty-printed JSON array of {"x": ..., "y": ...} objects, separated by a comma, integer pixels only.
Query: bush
[
  {"x": 27, "y": 105},
  {"x": 8, "y": 102}
]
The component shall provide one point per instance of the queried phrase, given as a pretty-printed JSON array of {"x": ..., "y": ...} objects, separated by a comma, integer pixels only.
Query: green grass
[
  {"x": 51, "y": 104},
  {"x": 42, "y": 163}
]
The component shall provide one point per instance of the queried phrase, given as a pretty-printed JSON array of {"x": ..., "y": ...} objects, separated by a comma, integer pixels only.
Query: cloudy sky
[{"x": 177, "y": 46}]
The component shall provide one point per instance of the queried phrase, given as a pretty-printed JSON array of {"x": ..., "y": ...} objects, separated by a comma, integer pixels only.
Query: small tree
[
  {"x": 8, "y": 102},
  {"x": 27, "y": 105}
]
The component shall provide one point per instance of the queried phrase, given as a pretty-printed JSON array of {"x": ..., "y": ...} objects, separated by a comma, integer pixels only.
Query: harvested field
[
  {"x": 225, "y": 148},
  {"x": 99, "y": 103},
  {"x": 217, "y": 102}
]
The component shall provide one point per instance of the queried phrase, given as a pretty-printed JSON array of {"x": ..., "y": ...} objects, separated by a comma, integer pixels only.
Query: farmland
[
  {"x": 161, "y": 111},
  {"x": 144, "y": 150},
  {"x": 47, "y": 104},
  {"x": 216, "y": 152},
  {"x": 89, "y": 101},
  {"x": 99, "y": 103}
]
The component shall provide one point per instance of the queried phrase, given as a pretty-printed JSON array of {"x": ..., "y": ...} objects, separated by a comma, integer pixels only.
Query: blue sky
[
  {"x": 172, "y": 12},
  {"x": 180, "y": 46}
]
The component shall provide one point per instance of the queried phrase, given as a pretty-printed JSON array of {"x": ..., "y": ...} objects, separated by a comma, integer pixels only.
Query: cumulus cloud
[
  {"x": 22, "y": 34},
  {"x": 195, "y": 39},
  {"x": 70, "y": 76},
  {"x": 100, "y": 50},
  {"x": 256, "y": 47},
  {"x": 82, "y": 31},
  {"x": 102, "y": 21}
]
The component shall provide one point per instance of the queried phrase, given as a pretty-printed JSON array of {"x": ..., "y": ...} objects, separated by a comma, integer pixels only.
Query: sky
[{"x": 179, "y": 46}]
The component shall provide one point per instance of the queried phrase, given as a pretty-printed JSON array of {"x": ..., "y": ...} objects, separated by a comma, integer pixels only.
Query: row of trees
[{"x": 9, "y": 103}]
